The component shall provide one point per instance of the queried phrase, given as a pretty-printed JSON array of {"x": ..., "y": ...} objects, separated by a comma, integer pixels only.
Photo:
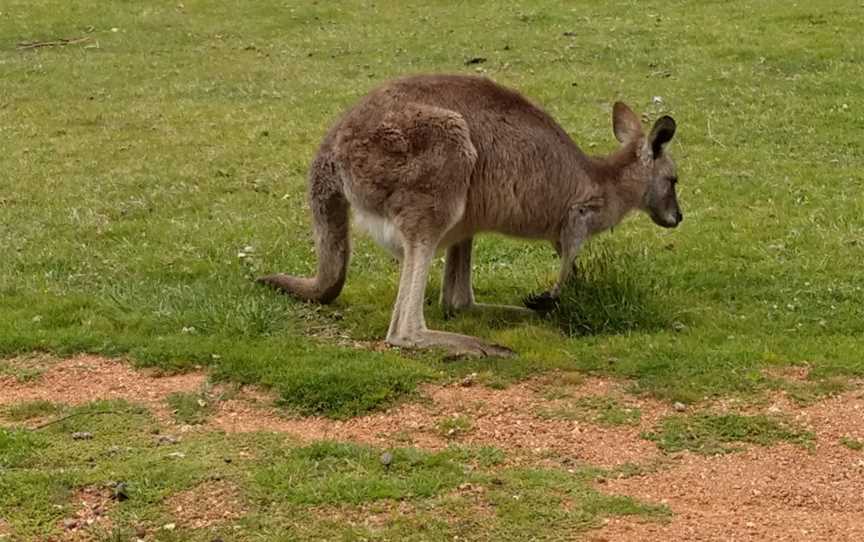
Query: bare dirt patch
[
  {"x": 92, "y": 506},
  {"x": 784, "y": 492},
  {"x": 83, "y": 379},
  {"x": 207, "y": 504},
  {"x": 504, "y": 418}
]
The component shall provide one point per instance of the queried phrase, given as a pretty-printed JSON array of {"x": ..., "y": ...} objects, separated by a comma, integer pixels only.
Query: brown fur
[{"x": 430, "y": 161}]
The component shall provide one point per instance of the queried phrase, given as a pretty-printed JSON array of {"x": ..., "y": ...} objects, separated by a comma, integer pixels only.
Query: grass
[
  {"x": 190, "y": 408},
  {"x": 151, "y": 171},
  {"x": 605, "y": 296},
  {"x": 20, "y": 412},
  {"x": 852, "y": 444},
  {"x": 600, "y": 410},
  {"x": 808, "y": 392},
  {"x": 290, "y": 491},
  {"x": 708, "y": 434},
  {"x": 18, "y": 372},
  {"x": 454, "y": 426}
]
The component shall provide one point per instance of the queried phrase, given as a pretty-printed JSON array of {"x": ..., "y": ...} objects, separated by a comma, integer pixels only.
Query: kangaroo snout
[{"x": 667, "y": 220}]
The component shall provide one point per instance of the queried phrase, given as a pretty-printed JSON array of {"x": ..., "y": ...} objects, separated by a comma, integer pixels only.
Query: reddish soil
[
  {"x": 505, "y": 418},
  {"x": 83, "y": 379},
  {"x": 208, "y": 504},
  {"x": 783, "y": 492},
  {"x": 91, "y": 520}
]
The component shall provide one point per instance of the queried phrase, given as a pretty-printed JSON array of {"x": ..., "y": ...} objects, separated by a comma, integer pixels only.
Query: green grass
[
  {"x": 138, "y": 167},
  {"x": 809, "y": 392},
  {"x": 289, "y": 491},
  {"x": 190, "y": 408},
  {"x": 600, "y": 410},
  {"x": 605, "y": 296},
  {"x": 19, "y": 412},
  {"x": 454, "y": 426},
  {"x": 707, "y": 433},
  {"x": 852, "y": 444},
  {"x": 18, "y": 372}
]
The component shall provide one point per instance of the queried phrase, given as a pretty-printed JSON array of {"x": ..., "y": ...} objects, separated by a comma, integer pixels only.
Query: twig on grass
[
  {"x": 53, "y": 43},
  {"x": 711, "y": 135}
]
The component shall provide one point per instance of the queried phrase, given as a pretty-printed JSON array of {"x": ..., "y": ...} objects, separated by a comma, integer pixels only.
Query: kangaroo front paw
[{"x": 542, "y": 302}]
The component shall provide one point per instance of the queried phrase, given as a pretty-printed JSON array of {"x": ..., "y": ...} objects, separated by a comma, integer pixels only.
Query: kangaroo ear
[
  {"x": 661, "y": 134},
  {"x": 625, "y": 123}
]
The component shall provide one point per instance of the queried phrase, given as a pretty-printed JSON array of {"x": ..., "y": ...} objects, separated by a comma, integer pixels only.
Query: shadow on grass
[{"x": 609, "y": 293}]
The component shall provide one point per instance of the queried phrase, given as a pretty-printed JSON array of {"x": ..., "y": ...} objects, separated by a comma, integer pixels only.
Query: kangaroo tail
[{"x": 330, "y": 225}]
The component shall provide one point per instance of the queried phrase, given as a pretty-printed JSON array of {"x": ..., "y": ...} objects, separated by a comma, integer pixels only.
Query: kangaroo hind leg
[{"x": 457, "y": 292}]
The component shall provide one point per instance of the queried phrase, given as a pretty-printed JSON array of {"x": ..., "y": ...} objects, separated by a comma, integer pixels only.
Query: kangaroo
[{"x": 429, "y": 161}]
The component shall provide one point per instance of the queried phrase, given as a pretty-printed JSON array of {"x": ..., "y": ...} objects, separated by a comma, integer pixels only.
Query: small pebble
[
  {"x": 70, "y": 523},
  {"x": 82, "y": 435},
  {"x": 469, "y": 380},
  {"x": 679, "y": 407},
  {"x": 386, "y": 459},
  {"x": 166, "y": 439}
]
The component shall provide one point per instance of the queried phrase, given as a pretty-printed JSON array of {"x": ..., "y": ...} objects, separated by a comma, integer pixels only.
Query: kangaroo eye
[{"x": 673, "y": 180}]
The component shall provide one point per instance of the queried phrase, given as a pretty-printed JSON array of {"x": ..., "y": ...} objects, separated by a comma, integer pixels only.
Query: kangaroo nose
[{"x": 679, "y": 217}]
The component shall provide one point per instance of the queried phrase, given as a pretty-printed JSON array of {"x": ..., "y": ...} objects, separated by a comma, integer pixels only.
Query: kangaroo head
[{"x": 653, "y": 170}]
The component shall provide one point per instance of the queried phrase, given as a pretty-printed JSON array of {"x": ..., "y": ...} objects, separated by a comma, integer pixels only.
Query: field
[{"x": 152, "y": 163}]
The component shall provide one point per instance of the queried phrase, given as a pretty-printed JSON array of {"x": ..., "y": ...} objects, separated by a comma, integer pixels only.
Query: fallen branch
[{"x": 54, "y": 43}]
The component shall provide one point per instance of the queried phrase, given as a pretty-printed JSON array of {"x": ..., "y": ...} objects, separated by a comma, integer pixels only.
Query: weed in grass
[
  {"x": 708, "y": 434},
  {"x": 807, "y": 393},
  {"x": 190, "y": 408},
  {"x": 195, "y": 407},
  {"x": 454, "y": 426},
  {"x": 599, "y": 409},
  {"x": 19, "y": 373},
  {"x": 852, "y": 444},
  {"x": 20, "y": 412},
  {"x": 611, "y": 292}
]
